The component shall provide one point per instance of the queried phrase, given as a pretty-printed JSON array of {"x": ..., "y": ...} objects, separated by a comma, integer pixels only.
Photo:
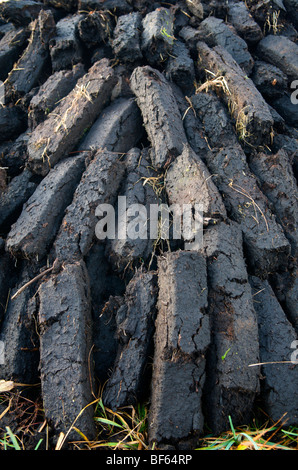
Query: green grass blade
[
  {"x": 290, "y": 434},
  {"x": 218, "y": 445},
  {"x": 232, "y": 428},
  {"x": 229, "y": 444},
  {"x": 100, "y": 403},
  {"x": 13, "y": 439},
  {"x": 109, "y": 422},
  {"x": 4, "y": 443},
  {"x": 38, "y": 444},
  {"x": 251, "y": 440}
]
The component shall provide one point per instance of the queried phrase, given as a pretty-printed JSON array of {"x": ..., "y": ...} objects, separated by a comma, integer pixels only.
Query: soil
[{"x": 163, "y": 103}]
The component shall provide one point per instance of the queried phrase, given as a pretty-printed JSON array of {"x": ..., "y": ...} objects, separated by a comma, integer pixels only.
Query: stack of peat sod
[{"x": 160, "y": 104}]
